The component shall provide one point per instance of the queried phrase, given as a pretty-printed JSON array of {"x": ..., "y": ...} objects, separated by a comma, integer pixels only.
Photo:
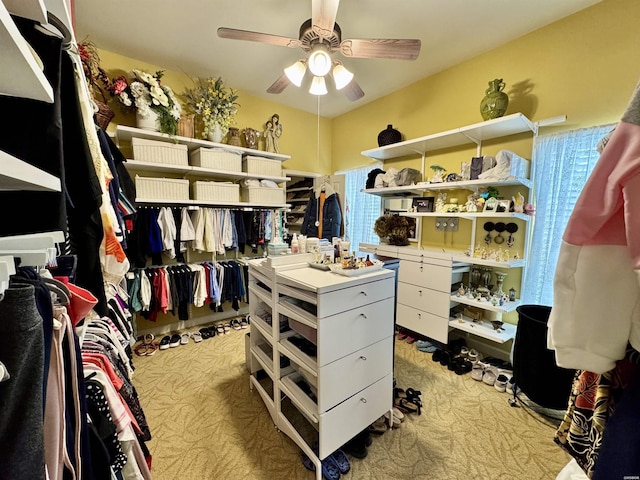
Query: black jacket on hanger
[{"x": 331, "y": 217}]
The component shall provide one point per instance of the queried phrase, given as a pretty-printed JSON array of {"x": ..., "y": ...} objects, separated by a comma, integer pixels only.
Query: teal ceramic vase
[{"x": 495, "y": 102}]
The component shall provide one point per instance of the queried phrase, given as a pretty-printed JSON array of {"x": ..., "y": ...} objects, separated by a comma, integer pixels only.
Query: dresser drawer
[
  {"x": 346, "y": 332},
  {"x": 422, "y": 322},
  {"x": 426, "y": 275},
  {"x": 345, "y": 421},
  {"x": 355, "y": 372},
  {"x": 426, "y": 299},
  {"x": 348, "y": 298}
]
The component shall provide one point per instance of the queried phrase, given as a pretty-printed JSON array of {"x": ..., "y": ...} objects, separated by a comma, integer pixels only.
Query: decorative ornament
[
  {"x": 511, "y": 228},
  {"x": 499, "y": 227},
  {"x": 388, "y": 136},
  {"x": 495, "y": 102},
  {"x": 489, "y": 227}
]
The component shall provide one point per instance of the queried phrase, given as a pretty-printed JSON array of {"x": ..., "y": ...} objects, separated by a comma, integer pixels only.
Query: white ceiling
[{"x": 181, "y": 36}]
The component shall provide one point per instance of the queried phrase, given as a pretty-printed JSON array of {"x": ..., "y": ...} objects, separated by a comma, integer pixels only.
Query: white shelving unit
[
  {"x": 470, "y": 134},
  {"x": 329, "y": 395},
  {"x": 21, "y": 74},
  {"x": 16, "y": 174},
  {"x": 298, "y": 197},
  {"x": 427, "y": 274},
  {"x": 124, "y": 134}
]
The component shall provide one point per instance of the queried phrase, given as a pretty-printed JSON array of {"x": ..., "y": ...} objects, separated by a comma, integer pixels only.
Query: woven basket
[{"x": 104, "y": 115}]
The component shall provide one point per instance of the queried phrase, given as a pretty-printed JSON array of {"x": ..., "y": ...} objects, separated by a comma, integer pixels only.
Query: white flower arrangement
[{"x": 150, "y": 95}]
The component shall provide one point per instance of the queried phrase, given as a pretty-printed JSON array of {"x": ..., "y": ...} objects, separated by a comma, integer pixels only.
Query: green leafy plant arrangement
[{"x": 214, "y": 102}]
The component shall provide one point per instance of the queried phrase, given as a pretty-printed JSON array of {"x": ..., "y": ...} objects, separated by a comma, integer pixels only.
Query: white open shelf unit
[
  {"x": 16, "y": 174},
  {"x": 124, "y": 133},
  {"x": 470, "y": 134}
]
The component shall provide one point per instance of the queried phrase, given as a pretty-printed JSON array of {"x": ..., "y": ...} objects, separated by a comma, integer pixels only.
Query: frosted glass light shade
[
  {"x": 341, "y": 76},
  {"x": 295, "y": 73},
  {"x": 318, "y": 87},
  {"x": 319, "y": 62}
]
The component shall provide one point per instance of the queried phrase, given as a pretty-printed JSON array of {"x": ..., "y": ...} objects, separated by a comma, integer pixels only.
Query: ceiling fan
[{"x": 320, "y": 37}]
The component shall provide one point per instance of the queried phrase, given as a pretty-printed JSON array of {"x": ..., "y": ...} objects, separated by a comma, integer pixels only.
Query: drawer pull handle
[
  {"x": 420, "y": 267},
  {"x": 362, "y": 357},
  {"x": 419, "y": 316},
  {"x": 420, "y": 292},
  {"x": 364, "y": 293},
  {"x": 362, "y": 314},
  {"x": 363, "y": 400}
]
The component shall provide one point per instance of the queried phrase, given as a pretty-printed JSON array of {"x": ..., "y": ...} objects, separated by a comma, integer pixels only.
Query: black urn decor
[{"x": 388, "y": 136}]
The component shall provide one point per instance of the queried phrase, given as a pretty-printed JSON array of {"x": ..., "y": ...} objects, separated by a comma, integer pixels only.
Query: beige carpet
[{"x": 207, "y": 424}]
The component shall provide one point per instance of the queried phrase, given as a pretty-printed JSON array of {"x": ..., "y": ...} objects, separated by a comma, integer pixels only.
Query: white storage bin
[
  {"x": 162, "y": 188},
  {"x": 159, "y": 152},
  {"x": 262, "y": 195},
  {"x": 217, "y": 158},
  {"x": 216, "y": 191},
  {"x": 262, "y": 166}
]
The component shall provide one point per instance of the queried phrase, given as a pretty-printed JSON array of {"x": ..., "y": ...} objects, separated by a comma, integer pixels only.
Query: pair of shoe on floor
[
  {"x": 428, "y": 346},
  {"x": 333, "y": 466},
  {"x": 148, "y": 347},
  {"x": 174, "y": 340},
  {"x": 501, "y": 380},
  {"x": 408, "y": 401},
  {"x": 458, "y": 364},
  {"x": 403, "y": 335},
  {"x": 358, "y": 446}
]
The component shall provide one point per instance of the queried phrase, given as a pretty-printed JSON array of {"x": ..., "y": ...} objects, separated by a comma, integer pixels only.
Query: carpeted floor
[{"x": 206, "y": 423}]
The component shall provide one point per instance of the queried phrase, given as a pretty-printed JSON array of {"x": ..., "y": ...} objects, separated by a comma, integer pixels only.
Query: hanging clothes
[
  {"x": 324, "y": 209},
  {"x": 594, "y": 324}
]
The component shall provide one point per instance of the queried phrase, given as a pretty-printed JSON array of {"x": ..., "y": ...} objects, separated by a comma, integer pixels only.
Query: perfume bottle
[{"x": 368, "y": 262}]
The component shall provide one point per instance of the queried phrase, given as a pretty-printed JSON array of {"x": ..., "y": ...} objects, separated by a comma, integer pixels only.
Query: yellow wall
[
  {"x": 584, "y": 66},
  {"x": 299, "y": 137}
]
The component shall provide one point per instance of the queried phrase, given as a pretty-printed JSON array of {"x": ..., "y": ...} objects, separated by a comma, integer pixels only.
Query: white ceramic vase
[
  {"x": 150, "y": 122},
  {"x": 215, "y": 133}
]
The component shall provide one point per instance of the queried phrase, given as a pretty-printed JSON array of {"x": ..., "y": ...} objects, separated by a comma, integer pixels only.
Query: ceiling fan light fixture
[
  {"x": 319, "y": 61},
  {"x": 341, "y": 76},
  {"x": 318, "y": 86},
  {"x": 295, "y": 73}
]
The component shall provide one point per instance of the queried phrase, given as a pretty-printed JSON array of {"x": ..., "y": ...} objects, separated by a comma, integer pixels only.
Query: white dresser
[{"x": 348, "y": 383}]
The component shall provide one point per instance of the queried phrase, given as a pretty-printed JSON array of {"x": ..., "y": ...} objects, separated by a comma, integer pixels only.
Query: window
[
  {"x": 361, "y": 209},
  {"x": 563, "y": 163}
]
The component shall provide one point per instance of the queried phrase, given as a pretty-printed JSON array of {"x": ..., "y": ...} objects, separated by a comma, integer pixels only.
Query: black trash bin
[{"x": 535, "y": 371}]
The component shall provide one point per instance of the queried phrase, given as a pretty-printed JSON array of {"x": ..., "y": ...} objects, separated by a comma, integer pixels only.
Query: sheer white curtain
[
  {"x": 361, "y": 209},
  {"x": 563, "y": 162}
]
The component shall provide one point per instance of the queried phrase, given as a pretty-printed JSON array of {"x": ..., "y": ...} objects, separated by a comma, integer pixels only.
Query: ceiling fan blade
[
  {"x": 353, "y": 91},
  {"x": 400, "y": 49},
  {"x": 323, "y": 16},
  {"x": 235, "y": 34},
  {"x": 279, "y": 85}
]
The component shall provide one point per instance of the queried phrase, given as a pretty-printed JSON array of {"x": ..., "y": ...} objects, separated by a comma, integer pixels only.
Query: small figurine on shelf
[
  {"x": 440, "y": 202},
  {"x": 518, "y": 203},
  {"x": 438, "y": 173},
  {"x": 368, "y": 262},
  {"x": 461, "y": 290}
]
